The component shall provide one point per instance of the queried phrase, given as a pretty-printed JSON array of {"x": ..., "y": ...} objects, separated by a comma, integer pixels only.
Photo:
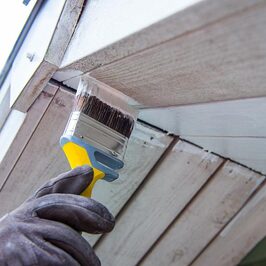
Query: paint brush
[{"x": 98, "y": 130}]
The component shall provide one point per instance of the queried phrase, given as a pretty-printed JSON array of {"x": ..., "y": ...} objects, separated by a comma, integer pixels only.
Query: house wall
[{"x": 174, "y": 202}]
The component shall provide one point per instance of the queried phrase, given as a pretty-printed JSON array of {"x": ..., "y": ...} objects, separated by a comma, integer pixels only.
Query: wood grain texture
[
  {"x": 108, "y": 32},
  {"x": 167, "y": 191},
  {"x": 247, "y": 151},
  {"x": 34, "y": 86},
  {"x": 224, "y": 60},
  {"x": 64, "y": 31},
  {"x": 35, "y": 156},
  {"x": 42, "y": 158},
  {"x": 239, "y": 236},
  {"x": 21, "y": 140},
  {"x": 29, "y": 75},
  {"x": 145, "y": 147},
  {"x": 56, "y": 21},
  {"x": 202, "y": 220}
]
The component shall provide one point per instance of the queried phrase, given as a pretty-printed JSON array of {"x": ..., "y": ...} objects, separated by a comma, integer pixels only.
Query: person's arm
[{"x": 45, "y": 229}]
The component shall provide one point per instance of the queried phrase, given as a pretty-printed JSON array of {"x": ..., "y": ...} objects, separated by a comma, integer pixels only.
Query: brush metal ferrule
[{"x": 96, "y": 134}]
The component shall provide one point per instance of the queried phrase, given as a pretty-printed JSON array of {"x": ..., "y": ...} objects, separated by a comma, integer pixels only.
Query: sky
[{"x": 13, "y": 15}]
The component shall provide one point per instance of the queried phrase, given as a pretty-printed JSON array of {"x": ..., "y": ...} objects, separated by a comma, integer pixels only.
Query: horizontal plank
[
  {"x": 145, "y": 147},
  {"x": 250, "y": 152},
  {"x": 239, "y": 236},
  {"x": 28, "y": 127},
  {"x": 236, "y": 118},
  {"x": 167, "y": 191},
  {"x": 108, "y": 32},
  {"x": 224, "y": 60},
  {"x": 205, "y": 217}
]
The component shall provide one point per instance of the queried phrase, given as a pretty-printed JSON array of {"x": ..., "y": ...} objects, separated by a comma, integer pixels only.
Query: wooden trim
[
  {"x": 247, "y": 151},
  {"x": 28, "y": 83},
  {"x": 34, "y": 86}
]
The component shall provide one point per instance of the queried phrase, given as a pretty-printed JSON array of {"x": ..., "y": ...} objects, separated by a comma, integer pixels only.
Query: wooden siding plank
[
  {"x": 42, "y": 158},
  {"x": 239, "y": 236},
  {"x": 202, "y": 220},
  {"x": 247, "y": 151},
  {"x": 145, "y": 148},
  {"x": 223, "y": 61},
  {"x": 108, "y": 32},
  {"x": 32, "y": 120},
  {"x": 167, "y": 191}
]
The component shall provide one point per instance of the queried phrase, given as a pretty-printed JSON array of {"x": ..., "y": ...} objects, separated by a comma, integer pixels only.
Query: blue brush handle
[{"x": 99, "y": 159}]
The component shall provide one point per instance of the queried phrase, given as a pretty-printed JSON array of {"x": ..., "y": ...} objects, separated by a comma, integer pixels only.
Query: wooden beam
[
  {"x": 239, "y": 236},
  {"x": 167, "y": 191},
  {"x": 221, "y": 61},
  {"x": 108, "y": 32},
  {"x": 205, "y": 217},
  {"x": 28, "y": 127},
  {"x": 56, "y": 22}
]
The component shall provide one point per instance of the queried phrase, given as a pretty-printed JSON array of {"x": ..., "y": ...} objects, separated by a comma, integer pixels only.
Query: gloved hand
[{"x": 44, "y": 230}]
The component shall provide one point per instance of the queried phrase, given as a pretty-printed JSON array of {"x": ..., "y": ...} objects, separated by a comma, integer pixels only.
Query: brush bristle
[{"x": 105, "y": 114}]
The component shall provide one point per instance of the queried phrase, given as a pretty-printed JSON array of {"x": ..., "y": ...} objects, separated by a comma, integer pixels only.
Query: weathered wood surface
[
  {"x": 224, "y": 60},
  {"x": 28, "y": 127},
  {"x": 35, "y": 156},
  {"x": 108, "y": 32},
  {"x": 239, "y": 236},
  {"x": 204, "y": 218},
  {"x": 145, "y": 147},
  {"x": 56, "y": 21},
  {"x": 167, "y": 191},
  {"x": 247, "y": 151},
  {"x": 42, "y": 158}
]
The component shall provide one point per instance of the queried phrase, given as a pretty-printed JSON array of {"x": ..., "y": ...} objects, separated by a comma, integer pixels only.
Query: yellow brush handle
[{"x": 78, "y": 156}]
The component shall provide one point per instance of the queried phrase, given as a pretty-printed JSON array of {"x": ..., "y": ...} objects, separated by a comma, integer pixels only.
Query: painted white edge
[{"x": 228, "y": 118}]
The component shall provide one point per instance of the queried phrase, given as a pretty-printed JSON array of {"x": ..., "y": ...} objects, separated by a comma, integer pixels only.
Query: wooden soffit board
[{"x": 204, "y": 52}]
